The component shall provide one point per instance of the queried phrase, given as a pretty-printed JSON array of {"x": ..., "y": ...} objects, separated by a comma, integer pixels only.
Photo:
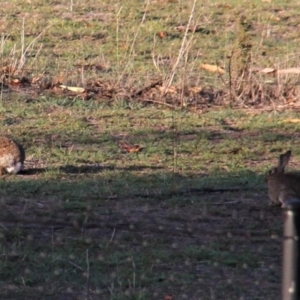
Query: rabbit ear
[{"x": 283, "y": 160}]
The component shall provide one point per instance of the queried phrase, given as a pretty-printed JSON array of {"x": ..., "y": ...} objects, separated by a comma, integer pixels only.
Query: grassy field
[{"x": 188, "y": 217}]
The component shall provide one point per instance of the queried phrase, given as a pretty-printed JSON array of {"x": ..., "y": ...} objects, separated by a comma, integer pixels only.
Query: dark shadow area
[
  {"x": 190, "y": 225},
  {"x": 216, "y": 221},
  {"x": 83, "y": 169},
  {"x": 33, "y": 171},
  {"x": 189, "y": 216},
  {"x": 94, "y": 169},
  {"x": 162, "y": 185}
]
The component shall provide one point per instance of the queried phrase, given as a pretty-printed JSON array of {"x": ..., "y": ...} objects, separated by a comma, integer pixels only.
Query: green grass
[
  {"x": 146, "y": 220},
  {"x": 189, "y": 214},
  {"x": 118, "y": 42}
]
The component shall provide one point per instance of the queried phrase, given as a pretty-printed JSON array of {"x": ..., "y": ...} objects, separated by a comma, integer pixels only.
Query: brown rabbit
[
  {"x": 12, "y": 156},
  {"x": 283, "y": 186}
]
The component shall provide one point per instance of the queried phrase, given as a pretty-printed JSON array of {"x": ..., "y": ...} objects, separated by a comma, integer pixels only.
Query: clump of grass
[
  {"x": 14, "y": 61},
  {"x": 120, "y": 44},
  {"x": 245, "y": 83}
]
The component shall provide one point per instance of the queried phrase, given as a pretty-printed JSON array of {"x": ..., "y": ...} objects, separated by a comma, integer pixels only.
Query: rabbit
[
  {"x": 283, "y": 186},
  {"x": 12, "y": 156}
]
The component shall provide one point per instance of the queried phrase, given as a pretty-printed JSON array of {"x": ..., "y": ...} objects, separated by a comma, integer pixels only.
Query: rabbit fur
[
  {"x": 283, "y": 186},
  {"x": 12, "y": 156}
]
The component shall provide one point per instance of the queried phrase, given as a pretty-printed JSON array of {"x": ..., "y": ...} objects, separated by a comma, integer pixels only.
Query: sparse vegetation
[{"x": 134, "y": 189}]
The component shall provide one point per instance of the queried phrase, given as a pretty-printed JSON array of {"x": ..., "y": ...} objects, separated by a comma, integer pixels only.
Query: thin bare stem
[
  {"x": 133, "y": 43},
  {"x": 30, "y": 45},
  {"x": 117, "y": 36},
  {"x": 181, "y": 51},
  {"x": 23, "y": 58}
]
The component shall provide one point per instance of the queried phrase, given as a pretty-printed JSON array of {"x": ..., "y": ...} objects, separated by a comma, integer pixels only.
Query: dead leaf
[
  {"x": 8, "y": 70},
  {"x": 195, "y": 89},
  {"x": 268, "y": 70},
  {"x": 289, "y": 71},
  {"x": 36, "y": 79},
  {"x": 212, "y": 68},
  {"x": 161, "y": 34},
  {"x": 74, "y": 89},
  {"x": 15, "y": 81},
  {"x": 282, "y": 71},
  {"x": 58, "y": 80},
  {"x": 129, "y": 148},
  {"x": 291, "y": 121},
  {"x": 170, "y": 90}
]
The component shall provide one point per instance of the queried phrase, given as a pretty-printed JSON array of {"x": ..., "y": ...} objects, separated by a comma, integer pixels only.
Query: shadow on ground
[{"x": 178, "y": 236}]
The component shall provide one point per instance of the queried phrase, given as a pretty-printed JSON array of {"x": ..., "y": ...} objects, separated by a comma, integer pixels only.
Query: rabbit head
[{"x": 283, "y": 186}]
